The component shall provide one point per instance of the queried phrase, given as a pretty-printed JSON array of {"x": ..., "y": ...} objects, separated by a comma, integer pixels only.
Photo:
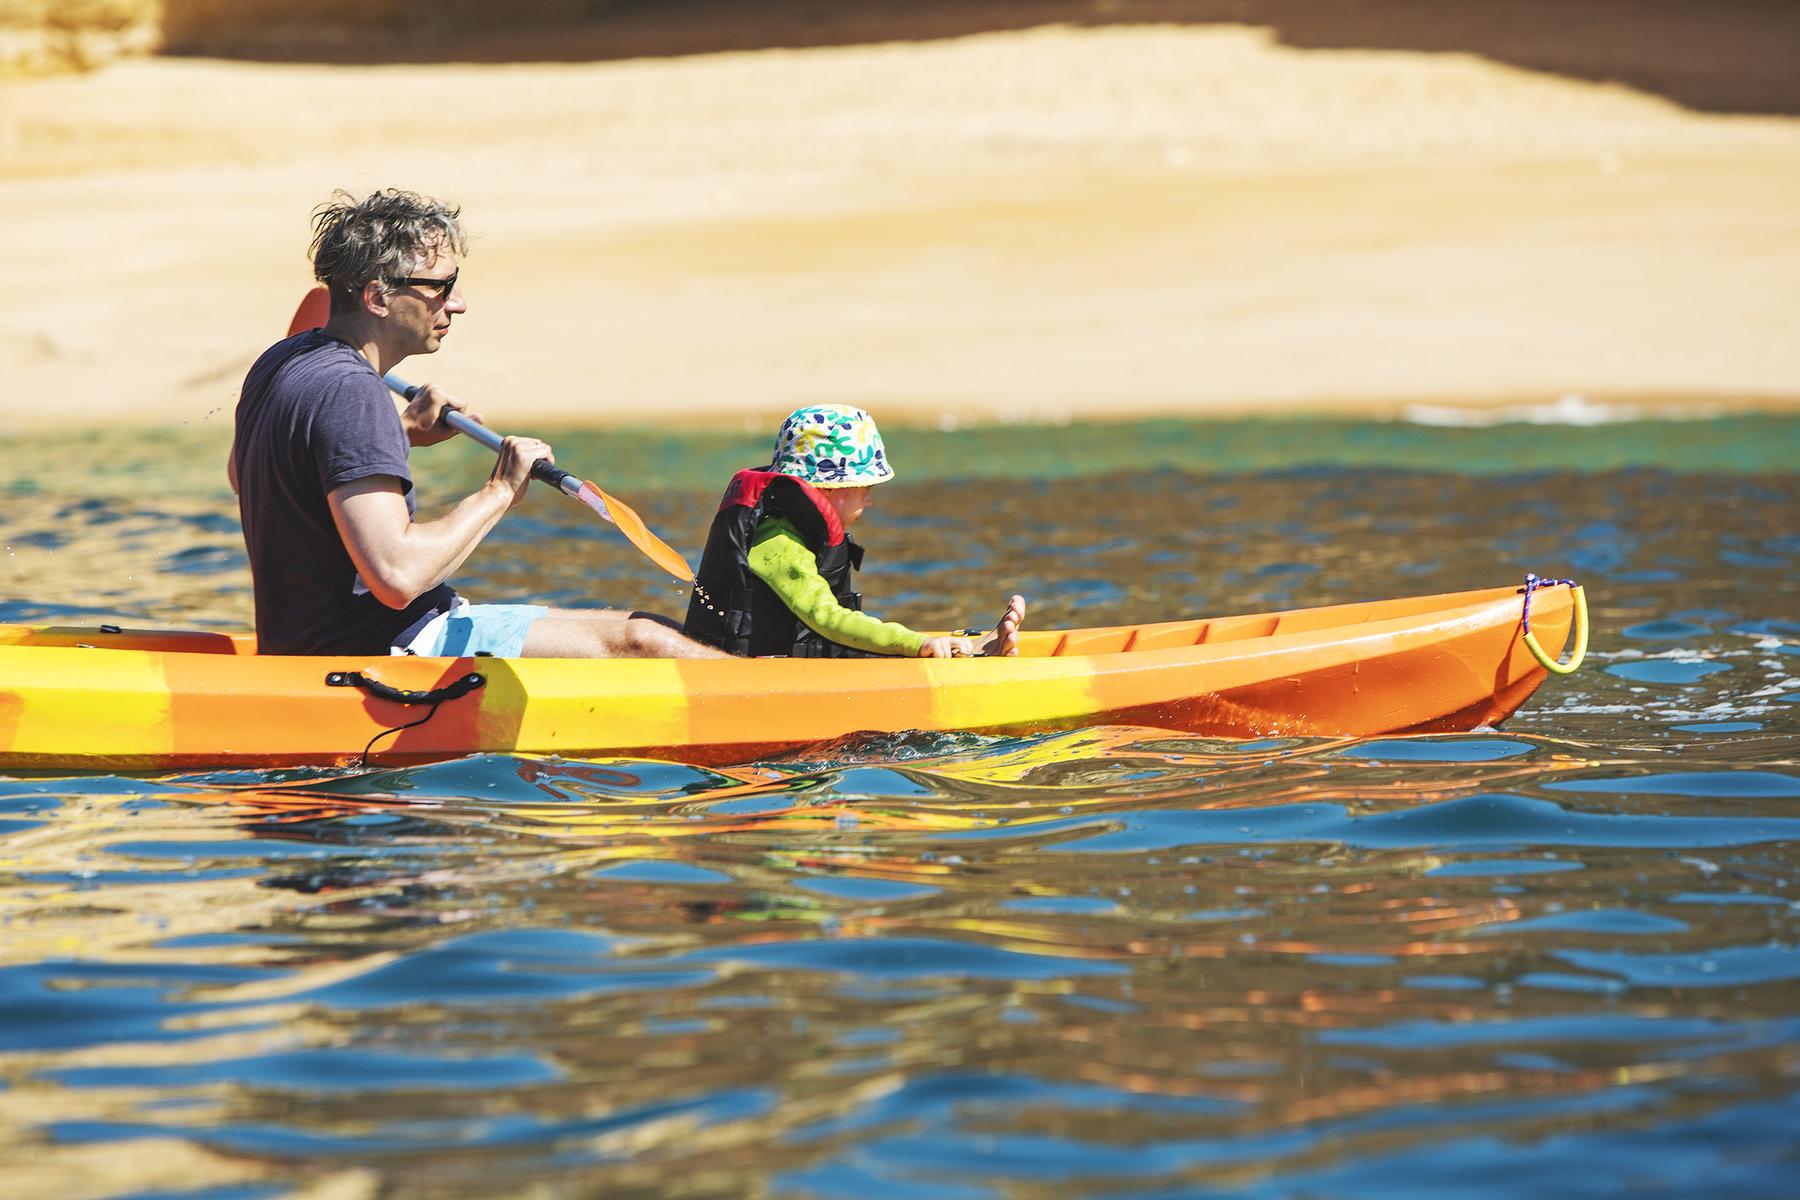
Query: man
[{"x": 319, "y": 461}]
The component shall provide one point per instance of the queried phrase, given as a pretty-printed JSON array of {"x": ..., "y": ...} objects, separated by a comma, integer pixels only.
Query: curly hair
[{"x": 383, "y": 237}]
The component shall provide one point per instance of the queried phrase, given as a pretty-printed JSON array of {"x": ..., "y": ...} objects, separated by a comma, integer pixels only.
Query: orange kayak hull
[{"x": 94, "y": 699}]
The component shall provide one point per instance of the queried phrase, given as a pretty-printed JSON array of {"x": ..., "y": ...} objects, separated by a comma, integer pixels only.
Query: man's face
[{"x": 422, "y": 305}]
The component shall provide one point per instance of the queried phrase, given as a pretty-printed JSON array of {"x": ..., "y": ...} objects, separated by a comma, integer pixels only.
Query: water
[{"x": 1558, "y": 958}]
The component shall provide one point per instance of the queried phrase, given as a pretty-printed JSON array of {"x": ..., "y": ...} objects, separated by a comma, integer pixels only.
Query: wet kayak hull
[{"x": 93, "y": 699}]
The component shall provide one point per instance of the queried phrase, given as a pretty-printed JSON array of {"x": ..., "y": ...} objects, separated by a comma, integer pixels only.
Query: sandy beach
[{"x": 1031, "y": 224}]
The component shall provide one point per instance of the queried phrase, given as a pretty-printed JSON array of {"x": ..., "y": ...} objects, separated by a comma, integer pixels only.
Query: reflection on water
[
  {"x": 1112, "y": 957},
  {"x": 1554, "y": 959}
]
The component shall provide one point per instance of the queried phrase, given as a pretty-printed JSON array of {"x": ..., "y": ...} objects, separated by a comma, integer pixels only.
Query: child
[{"x": 775, "y": 577}]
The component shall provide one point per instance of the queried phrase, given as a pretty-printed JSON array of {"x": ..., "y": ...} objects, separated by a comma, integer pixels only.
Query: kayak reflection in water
[{"x": 776, "y": 575}]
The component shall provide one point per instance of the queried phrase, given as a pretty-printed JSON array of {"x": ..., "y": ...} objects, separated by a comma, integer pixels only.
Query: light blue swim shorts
[{"x": 496, "y": 629}]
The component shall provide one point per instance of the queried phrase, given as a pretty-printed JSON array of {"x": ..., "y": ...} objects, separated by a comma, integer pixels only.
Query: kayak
[{"x": 104, "y": 698}]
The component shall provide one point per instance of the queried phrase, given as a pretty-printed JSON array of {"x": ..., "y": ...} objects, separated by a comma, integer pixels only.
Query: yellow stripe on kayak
[
  {"x": 84, "y": 702},
  {"x": 642, "y": 702},
  {"x": 977, "y": 694}
]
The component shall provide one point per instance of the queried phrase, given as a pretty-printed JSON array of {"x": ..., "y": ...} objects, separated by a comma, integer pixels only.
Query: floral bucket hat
[{"x": 831, "y": 445}]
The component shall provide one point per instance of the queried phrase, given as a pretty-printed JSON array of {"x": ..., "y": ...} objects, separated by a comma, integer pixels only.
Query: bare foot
[{"x": 1005, "y": 638}]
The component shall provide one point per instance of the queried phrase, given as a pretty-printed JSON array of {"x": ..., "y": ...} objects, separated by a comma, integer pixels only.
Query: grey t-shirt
[{"x": 313, "y": 416}]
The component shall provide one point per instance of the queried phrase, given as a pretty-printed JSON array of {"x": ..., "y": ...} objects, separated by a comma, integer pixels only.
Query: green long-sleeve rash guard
[{"x": 780, "y": 559}]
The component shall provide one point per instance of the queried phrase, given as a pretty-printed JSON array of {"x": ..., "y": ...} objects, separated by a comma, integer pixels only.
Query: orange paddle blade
[
  {"x": 312, "y": 313},
  {"x": 635, "y": 531}
]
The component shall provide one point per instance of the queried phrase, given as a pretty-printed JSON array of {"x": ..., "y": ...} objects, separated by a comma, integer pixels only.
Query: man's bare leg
[
  {"x": 610, "y": 633},
  {"x": 1005, "y": 638}
]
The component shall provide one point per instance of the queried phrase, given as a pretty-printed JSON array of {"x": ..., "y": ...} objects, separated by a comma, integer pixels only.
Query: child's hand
[{"x": 947, "y": 647}]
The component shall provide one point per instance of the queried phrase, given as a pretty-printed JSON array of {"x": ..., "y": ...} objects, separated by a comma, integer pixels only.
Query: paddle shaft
[
  {"x": 543, "y": 469},
  {"x": 315, "y": 310}
]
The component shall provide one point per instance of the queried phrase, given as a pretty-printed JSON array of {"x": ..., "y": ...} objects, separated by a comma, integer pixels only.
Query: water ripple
[{"x": 1558, "y": 958}]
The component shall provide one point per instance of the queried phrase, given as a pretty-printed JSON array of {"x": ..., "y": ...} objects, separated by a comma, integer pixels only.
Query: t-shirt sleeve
[
  {"x": 780, "y": 559},
  {"x": 356, "y": 433}
]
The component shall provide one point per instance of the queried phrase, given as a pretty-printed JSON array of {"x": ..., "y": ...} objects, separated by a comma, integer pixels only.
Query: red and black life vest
[{"x": 737, "y": 612}]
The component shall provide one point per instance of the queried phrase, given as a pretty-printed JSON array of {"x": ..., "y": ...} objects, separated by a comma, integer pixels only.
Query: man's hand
[
  {"x": 423, "y": 417},
  {"x": 513, "y": 468}
]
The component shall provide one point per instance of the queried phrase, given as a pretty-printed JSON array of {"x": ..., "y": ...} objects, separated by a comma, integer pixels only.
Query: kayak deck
[
  {"x": 104, "y": 698},
  {"x": 1053, "y": 643}
]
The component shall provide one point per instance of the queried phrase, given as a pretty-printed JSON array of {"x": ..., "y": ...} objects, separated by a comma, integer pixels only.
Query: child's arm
[{"x": 780, "y": 559}]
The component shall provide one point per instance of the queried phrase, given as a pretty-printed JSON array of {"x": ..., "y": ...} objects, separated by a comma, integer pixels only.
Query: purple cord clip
[{"x": 1532, "y": 583}]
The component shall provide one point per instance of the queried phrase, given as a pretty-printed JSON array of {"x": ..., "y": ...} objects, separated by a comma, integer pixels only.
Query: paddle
[{"x": 315, "y": 308}]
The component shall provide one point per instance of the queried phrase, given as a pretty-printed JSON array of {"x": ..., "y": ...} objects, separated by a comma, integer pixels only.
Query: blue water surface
[{"x": 1556, "y": 958}]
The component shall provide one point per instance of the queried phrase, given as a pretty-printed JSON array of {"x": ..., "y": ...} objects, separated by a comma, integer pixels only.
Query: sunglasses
[{"x": 439, "y": 288}]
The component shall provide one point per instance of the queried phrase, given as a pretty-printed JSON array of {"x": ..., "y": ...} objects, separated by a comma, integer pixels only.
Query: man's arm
[{"x": 400, "y": 559}]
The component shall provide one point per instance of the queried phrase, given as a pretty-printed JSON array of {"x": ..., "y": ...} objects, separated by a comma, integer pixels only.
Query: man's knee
[
  {"x": 574, "y": 634},
  {"x": 639, "y": 638},
  {"x": 645, "y": 636},
  {"x": 641, "y": 635}
]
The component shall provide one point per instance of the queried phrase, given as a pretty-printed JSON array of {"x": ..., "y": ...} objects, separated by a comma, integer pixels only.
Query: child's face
[{"x": 848, "y": 502}]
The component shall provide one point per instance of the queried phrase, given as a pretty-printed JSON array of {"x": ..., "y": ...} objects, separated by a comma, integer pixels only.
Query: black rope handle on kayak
[
  {"x": 453, "y": 690},
  {"x": 386, "y": 691}
]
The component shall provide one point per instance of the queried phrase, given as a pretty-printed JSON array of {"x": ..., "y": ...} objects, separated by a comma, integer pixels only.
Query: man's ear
[{"x": 375, "y": 298}]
